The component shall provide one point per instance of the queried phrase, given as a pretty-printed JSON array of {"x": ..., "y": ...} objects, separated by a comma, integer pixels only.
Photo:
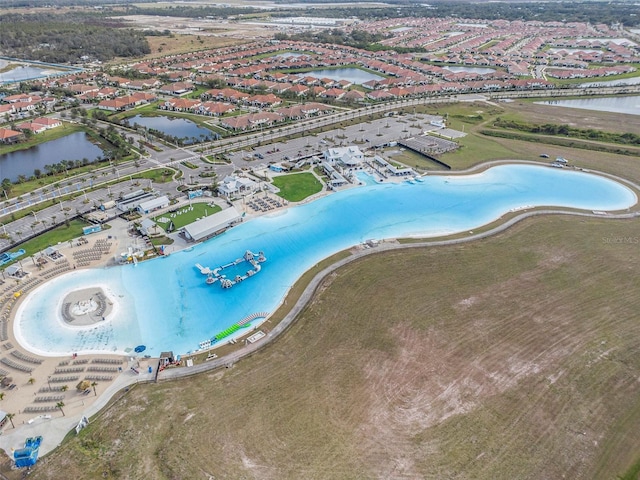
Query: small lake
[
  {"x": 176, "y": 127},
  {"x": 475, "y": 25},
  {"x": 629, "y": 105},
  {"x": 612, "y": 83},
  {"x": 353, "y": 75},
  {"x": 75, "y": 146},
  {"x": 617, "y": 41},
  {"x": 289, "y": 55},
  {"x": 30, "y": 71},
  {"x": 571, "y": 51},
  {"x": 478, "y": 70}
]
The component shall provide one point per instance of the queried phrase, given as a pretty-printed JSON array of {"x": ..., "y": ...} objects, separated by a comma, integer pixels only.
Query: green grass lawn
[
  {"x": 57, "y": 235},
  {"x": 157, "y": 175},
  {"x": 297, "y": 186},
  {"x": 186, "y": 215}
]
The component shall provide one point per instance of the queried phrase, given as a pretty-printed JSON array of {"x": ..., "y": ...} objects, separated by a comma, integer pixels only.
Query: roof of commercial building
[
  {"x": 154, "y": 203},
  {"x": 209, "y": 225}
]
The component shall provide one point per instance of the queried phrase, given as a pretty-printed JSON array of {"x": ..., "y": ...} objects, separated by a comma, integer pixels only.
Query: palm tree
[
  {"x": 1, "y": 395},
  {"x": 64, "y": 388},
  {"x": 94, "y": 385},
  {"x": 10, "y": 417},
  {"x": 32, "y": 381},
  {"x": 60, "y": 405}
]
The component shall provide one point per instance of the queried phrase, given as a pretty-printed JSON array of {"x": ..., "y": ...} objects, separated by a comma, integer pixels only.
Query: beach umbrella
[{"x": 83, "y": 385}]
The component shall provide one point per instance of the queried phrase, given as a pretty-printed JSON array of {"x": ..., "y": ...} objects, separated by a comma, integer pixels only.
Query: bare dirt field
[
  {"x": 191, "y": 34},
  {"x": 607, "y": 121},
  {"x": 513, "y": 357},
  {"x": 201, "y": 26}
]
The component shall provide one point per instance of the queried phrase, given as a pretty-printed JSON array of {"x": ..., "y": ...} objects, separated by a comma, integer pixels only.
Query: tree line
[
  {"x": 355, "y": 38},
  {"x": 69, "y": 38}
]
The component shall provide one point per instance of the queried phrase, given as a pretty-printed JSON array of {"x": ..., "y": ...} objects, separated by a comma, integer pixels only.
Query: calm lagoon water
[
  {"x": 165, "y": 303},
  {"x": 629, "y": 105},
  {"x": 30, "y": 71},
  {"x": 22, "y": 73},
  {"x": 176, "y": 127},
  {"x": 353, "y": 75},
  {"x": 72, "y": 147}
]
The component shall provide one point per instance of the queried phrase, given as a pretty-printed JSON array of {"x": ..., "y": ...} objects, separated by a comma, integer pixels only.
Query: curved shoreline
[
  {"x": 57, "y": 428},
  {"x": 310, "y": 289},
  {"x": 442, "y": 207}
]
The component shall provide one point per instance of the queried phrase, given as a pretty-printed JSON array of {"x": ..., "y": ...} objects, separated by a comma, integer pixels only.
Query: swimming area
[{"x": 166, "y": 304}]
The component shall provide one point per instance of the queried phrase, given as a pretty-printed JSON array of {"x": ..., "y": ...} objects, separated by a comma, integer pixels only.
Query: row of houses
[
  {"x": 126, "y": 102},
  {"x": 264, "y": 119},
  {"x": 36, "y": 125}
]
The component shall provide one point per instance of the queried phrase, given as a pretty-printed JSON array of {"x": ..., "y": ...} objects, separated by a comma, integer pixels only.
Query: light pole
[
  {"x": 34, "y": 216},
  {"x": 49, "y": 382}
]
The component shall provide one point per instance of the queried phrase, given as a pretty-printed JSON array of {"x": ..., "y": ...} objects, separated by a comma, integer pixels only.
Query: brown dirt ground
[
  {"x": 609, "y": 122},
  {"x": 512, "y": 357}
]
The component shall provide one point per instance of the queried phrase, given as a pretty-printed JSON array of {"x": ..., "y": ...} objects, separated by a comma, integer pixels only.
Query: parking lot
[{"x": 366, "y": 135}]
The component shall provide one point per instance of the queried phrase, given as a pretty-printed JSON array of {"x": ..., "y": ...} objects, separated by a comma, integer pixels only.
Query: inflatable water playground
[
  {"x": 242, "y": 324},
  {"x": 218, "y": 275}
]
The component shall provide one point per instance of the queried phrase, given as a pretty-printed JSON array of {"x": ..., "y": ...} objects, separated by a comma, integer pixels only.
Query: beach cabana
[
  {"x": 15, "y": 271},
  {"x": 53, "y": 253},
  {"x": 166, "y": 358}
]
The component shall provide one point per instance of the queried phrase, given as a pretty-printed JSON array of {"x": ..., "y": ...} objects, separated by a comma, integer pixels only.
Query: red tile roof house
[
  {"x": 268, "y": 100},
  {"x": 177, "y": 88},
  {"x": 10, "y": 136},
  {"x": 354, "y": 95},
  {"x": 380, "y": 95},
  {"x": 7, "y": 109},
  {"x": 335, "y": 93},
  {"x": 47, "y": 122},
  {"x": 299, "y": 90},
  {"x": 32, "y": 127},
  {"x": 21, "y": 97},
  {"x": 180, "y": 104},
  {"x": 214, "y": 108},
  {"x": 115, "y": 105},
  {"x": 251, "y": 120},
  {"x": 81, "y": 88}
]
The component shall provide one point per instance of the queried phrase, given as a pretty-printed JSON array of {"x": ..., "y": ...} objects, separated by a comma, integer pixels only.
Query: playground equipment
[{"x": 28, "y": 456}]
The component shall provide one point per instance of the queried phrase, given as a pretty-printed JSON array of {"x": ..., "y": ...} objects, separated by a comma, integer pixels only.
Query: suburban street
[{"x": 111, "y": 182}]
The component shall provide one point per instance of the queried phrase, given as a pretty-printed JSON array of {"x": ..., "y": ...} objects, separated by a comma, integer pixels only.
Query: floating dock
[{"x": 217, "y": 274}]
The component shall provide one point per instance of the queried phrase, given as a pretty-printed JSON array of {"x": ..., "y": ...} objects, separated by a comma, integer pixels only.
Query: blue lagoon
[{"x": 166, "y": 303}]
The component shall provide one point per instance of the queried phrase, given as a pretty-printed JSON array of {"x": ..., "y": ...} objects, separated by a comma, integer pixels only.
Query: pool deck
[
  {"x": 34, "y": 402},
  {"x": 40, "y": 395}
]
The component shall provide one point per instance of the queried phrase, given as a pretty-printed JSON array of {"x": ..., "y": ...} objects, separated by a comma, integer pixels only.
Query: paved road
[{"x": 175, "y": 157}]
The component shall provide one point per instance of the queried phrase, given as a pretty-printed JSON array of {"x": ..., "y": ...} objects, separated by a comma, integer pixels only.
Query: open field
[
  {"x": 297, "y": 186},
  {"x": 186, "y": 215},
  {"x": 454, "y": 362},
  {"x": 477, "y": 148}
]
